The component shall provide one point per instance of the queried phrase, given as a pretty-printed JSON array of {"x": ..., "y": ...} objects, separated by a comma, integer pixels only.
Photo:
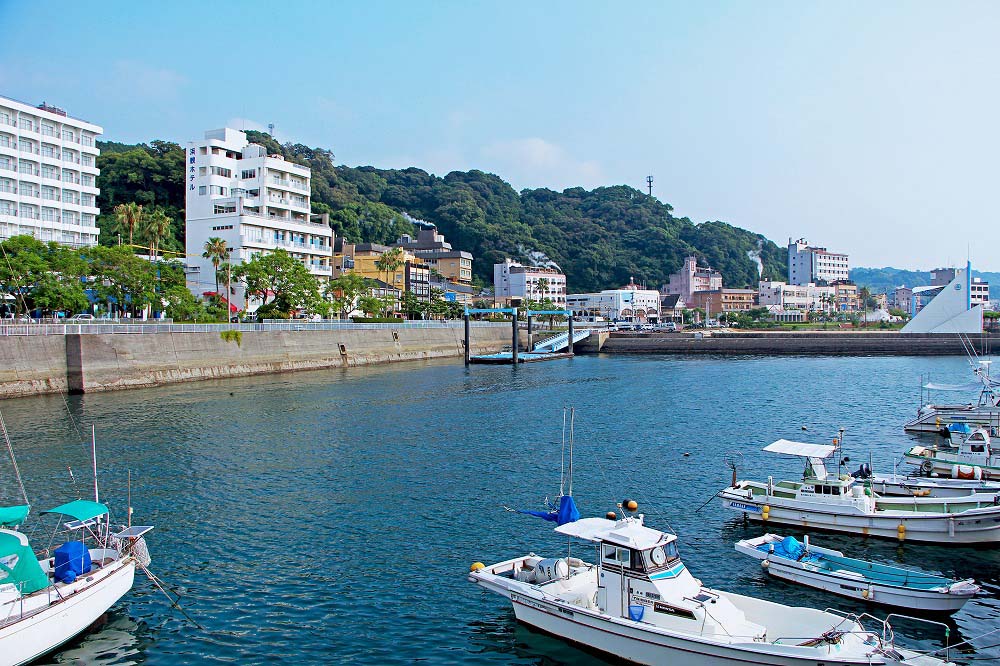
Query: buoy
[
  {"x": 901, "y": 531},
  {"x": 476, "y": 566},
  {"x": 835, "y": 441},
  {"x": 765, "y": 512},
  {"x": 864, "y": 593},
  {"x": 765, "y": 564},
  {"x": 611, "y": 515},
  {"x": 686, "y": 455},
  {"x": 631, "y": 505}
]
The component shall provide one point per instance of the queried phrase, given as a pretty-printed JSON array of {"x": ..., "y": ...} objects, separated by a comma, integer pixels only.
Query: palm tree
[
  {"x": 216, "y": 251},
  {"x": 157, "y": 229},
  {"x": 389, "y": 262},
  {"x": 129, "y": 216}
]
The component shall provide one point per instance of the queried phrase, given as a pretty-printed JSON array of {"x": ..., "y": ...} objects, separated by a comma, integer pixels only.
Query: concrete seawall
[
  {"x": 844, "y": 343},
  {"x": 35, "y": 364}
]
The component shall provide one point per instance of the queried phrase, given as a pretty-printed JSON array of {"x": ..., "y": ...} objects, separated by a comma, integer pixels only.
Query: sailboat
[{"x": 46, "y": 601}]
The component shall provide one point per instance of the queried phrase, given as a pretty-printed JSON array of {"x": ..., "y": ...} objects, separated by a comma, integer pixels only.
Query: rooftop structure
[
  {"x": 256, "y": 202},
  {"x": 48, "y": 174},
  {"x": 815, "y": 264},
  {"x": 452, "y": 265}
]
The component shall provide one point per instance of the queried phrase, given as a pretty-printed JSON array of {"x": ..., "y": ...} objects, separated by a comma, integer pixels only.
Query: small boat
[
  {"x": 928, "y": 486},
  {"x": 47, "y": 601},
  {"x": 840, "y": 503},
  {"x": 784, "y": 557},
  {"x": 937, "y": 418},
  {"x": 972, "y": 459},
  {"x": 639, "y": 603}
]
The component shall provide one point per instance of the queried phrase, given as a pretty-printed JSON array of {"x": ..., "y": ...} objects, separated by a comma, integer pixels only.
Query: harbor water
[{"x": 331, "y": 516}]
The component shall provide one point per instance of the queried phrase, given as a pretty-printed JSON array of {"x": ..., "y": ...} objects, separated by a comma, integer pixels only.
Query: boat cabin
[{"x": 640, "y": 577}]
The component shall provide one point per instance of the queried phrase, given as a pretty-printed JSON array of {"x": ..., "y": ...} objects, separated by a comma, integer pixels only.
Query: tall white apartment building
[
  {"x": 814, "y": 264},
  {"x": 48, "y": 174},
  {"x": 511, "y": 280},
  {"x": 256, "y": 202}
]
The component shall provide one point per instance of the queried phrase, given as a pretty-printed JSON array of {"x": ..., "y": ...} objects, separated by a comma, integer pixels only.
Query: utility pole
[{"x": 649, "y": 184}]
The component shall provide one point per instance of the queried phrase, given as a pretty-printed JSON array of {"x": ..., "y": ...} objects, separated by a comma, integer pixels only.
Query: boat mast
[
  {"x": 13, "y": 460},
  {"x": 572, "y": 416},
  {"x": 562, "y": 464},
  {"x": 93, "y": 456}
]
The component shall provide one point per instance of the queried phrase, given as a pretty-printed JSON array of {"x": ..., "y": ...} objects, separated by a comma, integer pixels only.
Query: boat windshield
[{"x": 660, "y": 557}]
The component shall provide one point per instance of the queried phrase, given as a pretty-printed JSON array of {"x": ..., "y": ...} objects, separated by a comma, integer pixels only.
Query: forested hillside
[{"x": 600, "y": 238}]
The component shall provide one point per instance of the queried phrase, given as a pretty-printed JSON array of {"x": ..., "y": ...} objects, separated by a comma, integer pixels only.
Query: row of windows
[{"x": 47, "y": 129}]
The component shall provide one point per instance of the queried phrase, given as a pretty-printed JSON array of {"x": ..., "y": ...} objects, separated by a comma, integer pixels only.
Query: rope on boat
[
  {"x": 174, "y": 603},
  {"x": 13, "y": 460}
]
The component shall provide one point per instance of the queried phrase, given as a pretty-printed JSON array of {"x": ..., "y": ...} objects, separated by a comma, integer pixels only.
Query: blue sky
[{"x": 870, "y": 128}]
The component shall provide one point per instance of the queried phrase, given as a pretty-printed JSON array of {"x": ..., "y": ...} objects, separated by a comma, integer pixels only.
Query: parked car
[
  {"x": 83, "y": 316},
  {"x": 669, "y": 326}
]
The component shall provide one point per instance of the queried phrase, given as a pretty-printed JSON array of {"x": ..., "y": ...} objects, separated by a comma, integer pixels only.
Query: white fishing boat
[
  {"x": 985, "y": 411},
  {"x": 928, "y": 486},
  {"x": 972, "y": 459},
  {"x": 638, "y": 603},
  {"x": 47, "y": 601},
  {"x": 805, "y": 563},
  {"x": 825, "y": 500}
]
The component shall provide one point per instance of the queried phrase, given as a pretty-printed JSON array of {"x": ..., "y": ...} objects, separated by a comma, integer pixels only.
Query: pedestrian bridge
[{"x": 558, "y": 342}]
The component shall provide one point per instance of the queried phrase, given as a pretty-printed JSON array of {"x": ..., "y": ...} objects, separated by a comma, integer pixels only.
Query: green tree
[
  {"x": 283, "y": 279},
  {"x": 156, "y": 229},
  {"x": 216, "y": 251},
  {"x": 22, "y": 265},
  {"x": 182, "y": 305},
  {"x": 53, "y": 293},
  {"x": 389, "y": 262},
  {"x": 130, "y": 217},
  {"x": 371, "y": 305},
  {"x": 343, "y": 292},
  {"x": 121, "y": 276}
]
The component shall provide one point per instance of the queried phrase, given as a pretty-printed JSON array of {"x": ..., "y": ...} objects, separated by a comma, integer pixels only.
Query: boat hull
[
  {"x": 969, "y": 527},
  {"x": 630, "y": 642},
  {"x": 25, "y": 640},
  {"x": 932, "y": 420}
]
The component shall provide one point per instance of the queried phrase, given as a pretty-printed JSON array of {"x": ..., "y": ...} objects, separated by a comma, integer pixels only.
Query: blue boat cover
[
  {"x": 72, "y": 560},
  {"x": 566, "y": 513},
  {"x": 960, "y": 428},
  {"x": 788, "y": 548}
]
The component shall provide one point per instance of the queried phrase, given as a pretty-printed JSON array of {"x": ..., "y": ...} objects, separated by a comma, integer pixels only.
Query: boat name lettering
[
  {"x": 526, "y": 601},
  {"x": 645, "y": 596},
  {"x": 744, "y": 507},
  {"x": 661, "y": 607}
]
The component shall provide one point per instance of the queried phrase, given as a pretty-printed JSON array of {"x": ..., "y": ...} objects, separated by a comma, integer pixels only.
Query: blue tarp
[
  {"x": 566, "y": 513},
  {"x": 788, "y": 548},
  {"x": 72, "y": 560}
]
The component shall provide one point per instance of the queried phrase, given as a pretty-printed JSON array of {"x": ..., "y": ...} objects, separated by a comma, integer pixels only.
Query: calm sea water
[{"x": 331, "y": 516}]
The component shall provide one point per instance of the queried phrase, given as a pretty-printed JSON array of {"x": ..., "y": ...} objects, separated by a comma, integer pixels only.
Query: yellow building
[{"x": 411, "y": 275}]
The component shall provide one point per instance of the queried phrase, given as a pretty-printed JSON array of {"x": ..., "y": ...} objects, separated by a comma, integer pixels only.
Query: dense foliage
[{"x": 600, "y": 238}]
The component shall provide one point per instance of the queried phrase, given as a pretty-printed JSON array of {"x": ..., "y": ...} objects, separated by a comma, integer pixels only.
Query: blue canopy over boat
[{"x": 566, "y": 513}]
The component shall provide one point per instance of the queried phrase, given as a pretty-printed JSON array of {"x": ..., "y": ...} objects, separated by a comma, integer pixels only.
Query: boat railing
[
  {"x": 947, "y": 629},
  {"x": 888, "y": 634}
]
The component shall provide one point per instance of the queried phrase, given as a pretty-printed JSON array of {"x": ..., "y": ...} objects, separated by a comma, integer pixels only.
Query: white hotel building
[
  {"x": 48, "y": 174},
  {"x": 815, "y": 264},
  {"x": 256, "y": 202}
]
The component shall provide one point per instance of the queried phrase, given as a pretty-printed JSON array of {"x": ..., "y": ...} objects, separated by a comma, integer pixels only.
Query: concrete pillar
[
  {"x": 569, "y": 340},
  {"x": 468, "y": 351},
  {"x": 531, "y": 341},
  {"x": 514, "y": 341}
]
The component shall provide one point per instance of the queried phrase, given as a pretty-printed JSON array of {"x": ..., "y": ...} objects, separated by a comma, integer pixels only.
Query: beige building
[{"x": 723, "y": 300}]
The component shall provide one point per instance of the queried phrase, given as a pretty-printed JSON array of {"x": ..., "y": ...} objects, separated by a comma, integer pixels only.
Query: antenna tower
[{"x": 649, "y": 184}]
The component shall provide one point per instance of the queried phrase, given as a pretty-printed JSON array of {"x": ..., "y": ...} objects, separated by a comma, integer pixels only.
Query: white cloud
[{"x": 535, "y": 162}]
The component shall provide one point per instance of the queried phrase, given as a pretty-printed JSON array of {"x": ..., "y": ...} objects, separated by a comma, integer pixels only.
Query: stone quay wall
[{"x": 84, "y": 363}]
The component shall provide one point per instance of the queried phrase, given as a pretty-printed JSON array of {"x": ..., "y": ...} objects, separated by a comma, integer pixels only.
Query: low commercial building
[
  {"x": 514, "y": 282},
  {"x": 431, "y": 247},
  {"x": 412, "y": 274},
  {"x": 48, "y": 174},
  {"x": 631, "y": 303},
  {"x": 846, "y": 296},
  {"x": 784, "y": 296},
  {"x": 902, "y": 298},
  {"x": 979, "y": 292},
  {"x": 723, "y": 300}
]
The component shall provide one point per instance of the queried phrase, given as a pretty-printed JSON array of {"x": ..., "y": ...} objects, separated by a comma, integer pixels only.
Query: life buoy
[{"x": 927, "y": 467}]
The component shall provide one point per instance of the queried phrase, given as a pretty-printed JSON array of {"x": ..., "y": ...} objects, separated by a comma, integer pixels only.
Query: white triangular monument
[{"x": 950, "y": 311}]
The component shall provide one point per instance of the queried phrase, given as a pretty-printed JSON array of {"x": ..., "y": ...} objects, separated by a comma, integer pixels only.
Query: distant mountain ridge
[{"x": 884, "y": 280}]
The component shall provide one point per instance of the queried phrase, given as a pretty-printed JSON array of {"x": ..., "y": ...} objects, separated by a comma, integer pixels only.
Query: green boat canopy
[
  {"x": 80, "y": 509},
  {"x": 18, "y": 564},
  {"x": 12, "y": 516}
]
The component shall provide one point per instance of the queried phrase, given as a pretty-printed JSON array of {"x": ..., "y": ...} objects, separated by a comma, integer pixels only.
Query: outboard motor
[{"x": 864, "y": 472}]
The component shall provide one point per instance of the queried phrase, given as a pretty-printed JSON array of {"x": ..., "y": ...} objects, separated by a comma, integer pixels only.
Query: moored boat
[
  {"x": 826, "y": 569},
  {"x": 972, "y": 459},
  {"x": 47, "y": 601},
  {"x": 640, "y": 604},
  {"x": 823, "y": 500},
  {"x": 938, "y": 418}
]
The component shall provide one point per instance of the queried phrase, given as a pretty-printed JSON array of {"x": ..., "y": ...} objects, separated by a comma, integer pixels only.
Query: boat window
[
  {"x": 660, "y": 556},
  {"x": 621, "y": 556},
  {"x": 979, "y": 448}
]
